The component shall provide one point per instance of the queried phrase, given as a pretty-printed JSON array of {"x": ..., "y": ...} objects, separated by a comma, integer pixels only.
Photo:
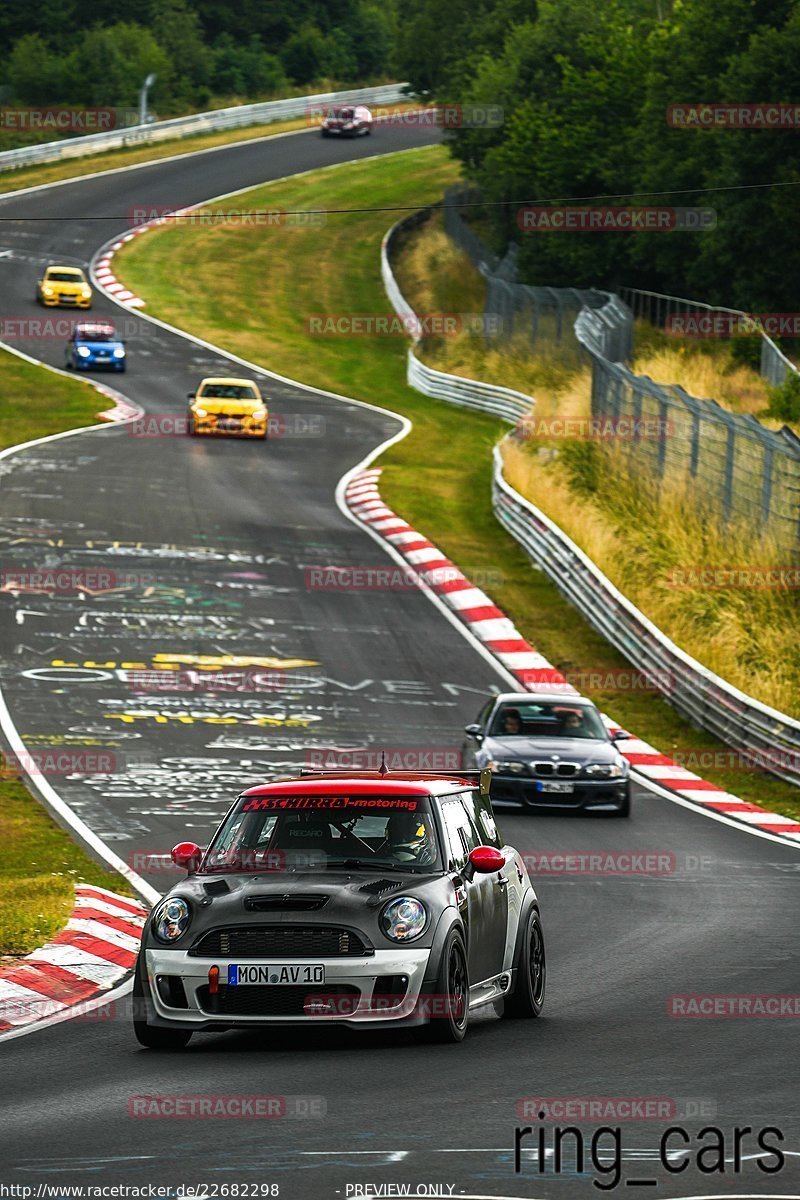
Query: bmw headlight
[
  {"x": 86, "y": 292},
  {"x": 119, "y": 352},
  {"x": 258, "y": 414},
  {"x": 48, "y": 291},
  {"x": 511, "y": 767},
  {"x": 199, "y": 412},
  {"x": 171, "y": 919},
  {"x": 404, "y": 919},
  {"x": 84, "y": 351},
  {"x": 604, "y": 771}
]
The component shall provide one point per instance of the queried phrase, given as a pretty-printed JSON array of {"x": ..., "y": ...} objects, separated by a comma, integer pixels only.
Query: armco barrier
[
  {"x": 466, "y": 393},
  {"x": 208, "y": 122},
  {"x": 703, "y": 697}
]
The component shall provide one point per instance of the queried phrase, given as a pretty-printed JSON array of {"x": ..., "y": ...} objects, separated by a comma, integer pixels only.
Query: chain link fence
[{"x": 735, "y": 468}]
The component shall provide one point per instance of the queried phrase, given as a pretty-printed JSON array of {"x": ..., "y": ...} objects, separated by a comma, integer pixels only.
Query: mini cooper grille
[
  {"x": 289, "y": 1001},
  {"x": 548, "y": 769},
  {"x": 281, "y": 941}
]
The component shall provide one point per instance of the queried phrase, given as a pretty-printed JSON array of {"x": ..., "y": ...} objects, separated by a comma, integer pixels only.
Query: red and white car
[{"x": 349, "y": 120}]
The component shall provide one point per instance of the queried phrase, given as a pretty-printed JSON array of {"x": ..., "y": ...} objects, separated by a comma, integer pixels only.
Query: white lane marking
[
  {"x": 103, "y": 933},
  {"x": 103, "y": 906},
  {"x": 85, "y": 1006},
  {"x": 79, "y": 962}
]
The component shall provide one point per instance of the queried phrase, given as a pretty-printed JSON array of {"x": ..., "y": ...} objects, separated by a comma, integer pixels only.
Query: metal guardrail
[
  {"x": 658, "y": 308},
  {"x": 236, "y": 117},
  {"x": 772, "y": 738},
  {"x": 501, "y": 402}
]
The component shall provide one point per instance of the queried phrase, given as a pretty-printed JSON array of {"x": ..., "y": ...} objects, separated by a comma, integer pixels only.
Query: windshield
[
  {"x": 66, "y": 276},
  {"x": 228, "y": 391},
  {"x": 548, "y": 720},
  {"x": 285, "y": 833},
  {"x": 88, "y": 333},
  {"x": 341, "y": 114}
]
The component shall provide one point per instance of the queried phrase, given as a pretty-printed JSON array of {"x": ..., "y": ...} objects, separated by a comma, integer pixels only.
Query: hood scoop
[
  {"x": 289, "y": 902},
  {"x": 379, "y": 886}
]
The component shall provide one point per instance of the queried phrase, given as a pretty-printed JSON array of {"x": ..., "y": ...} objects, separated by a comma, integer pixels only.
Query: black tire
[
  {"x": 69, "y": 365},
  {"x": 624, "y": 809},
  {"x": 452, "y": 982},
  {"x": 527, "y": 999},
  {"x": 153, "y": 1037}
]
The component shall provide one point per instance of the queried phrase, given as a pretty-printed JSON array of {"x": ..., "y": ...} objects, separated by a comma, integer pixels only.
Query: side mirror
[
  {"x": 187, "y": 855},
  {"x": 191, "y": 395},
  {"x": 619, "y": 735},
  {"x": 486, "y": 859},
  {"x": 474, "y": 731}
]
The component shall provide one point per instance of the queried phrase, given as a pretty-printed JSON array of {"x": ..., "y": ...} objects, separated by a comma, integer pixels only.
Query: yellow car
[
  {"x": 228, "y": 406},
  {"x": 65, "y": 286}
]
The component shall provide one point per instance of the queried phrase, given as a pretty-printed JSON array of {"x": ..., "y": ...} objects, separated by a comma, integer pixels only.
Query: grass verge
[
  {"x": 274, "y": 282},
  {"x": 40, "y": 866},
  {"x": 35, "y": 402}
]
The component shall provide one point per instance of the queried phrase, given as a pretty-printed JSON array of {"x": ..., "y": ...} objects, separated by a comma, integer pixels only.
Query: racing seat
[{"x": 303, "y": 832}]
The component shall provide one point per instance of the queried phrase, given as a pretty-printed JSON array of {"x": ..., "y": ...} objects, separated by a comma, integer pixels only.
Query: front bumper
[
  {"x": 601, "y": 794},
  {"x": 62, "y": 300},
  {"x": 349, "y": 991},
  {"x": 249, "y": 429}
]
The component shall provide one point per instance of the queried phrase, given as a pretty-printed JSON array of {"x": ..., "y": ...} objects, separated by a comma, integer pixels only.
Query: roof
[
  {"x": 228, "y": 379},
  {"x": 562, "y": 697},
  {"x": 59, "y": 267},
  {"x": 367, "y": 783}
]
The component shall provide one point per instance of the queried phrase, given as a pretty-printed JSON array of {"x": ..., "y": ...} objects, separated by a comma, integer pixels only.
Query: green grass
[
  {"x": 439, "y": 477},
  {"x": 35, "y": 402},
  {"x": 39, "y": 867}
]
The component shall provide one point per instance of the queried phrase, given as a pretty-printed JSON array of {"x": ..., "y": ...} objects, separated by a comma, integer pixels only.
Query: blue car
[{"x": 95, "y": 344}]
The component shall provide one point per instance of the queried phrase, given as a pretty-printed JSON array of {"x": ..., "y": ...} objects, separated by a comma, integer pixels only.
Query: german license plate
[
  {"x": 242, "y": 974},
  {"x": 551, "y": 785}
]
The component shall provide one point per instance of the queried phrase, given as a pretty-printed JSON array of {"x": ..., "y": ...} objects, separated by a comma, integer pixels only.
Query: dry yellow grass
[{"x": 736, "y": 387}]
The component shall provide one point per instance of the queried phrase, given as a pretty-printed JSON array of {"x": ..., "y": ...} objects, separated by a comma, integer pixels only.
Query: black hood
[{"x": 527, "y": 749}]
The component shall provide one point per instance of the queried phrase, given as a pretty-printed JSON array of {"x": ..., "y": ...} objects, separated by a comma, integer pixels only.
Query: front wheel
[
  {"x": 527, "y": 999},
  {"x": 153, "y": 1037},
  {"x": 449, "y": 1016}
]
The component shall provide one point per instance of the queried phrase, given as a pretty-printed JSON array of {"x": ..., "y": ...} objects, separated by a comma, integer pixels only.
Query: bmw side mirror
[
  {"x": 619, "y": 735},
  {"x": 474, "y": 731},
  {"x": 191, "y": 395}
]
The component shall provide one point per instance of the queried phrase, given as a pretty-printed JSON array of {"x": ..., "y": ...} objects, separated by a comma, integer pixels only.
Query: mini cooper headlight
[
  {"x": 171, "y": 919},
  {"x": 512, "y": 767},
  {"x": 404, "y": 919},
  {"x": 604, "y": 770},
  {"x": 84, "y": 351}
]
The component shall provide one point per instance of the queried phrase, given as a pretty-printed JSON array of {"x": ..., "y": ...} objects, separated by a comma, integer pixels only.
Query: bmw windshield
[{"x": 288, "y": 833}]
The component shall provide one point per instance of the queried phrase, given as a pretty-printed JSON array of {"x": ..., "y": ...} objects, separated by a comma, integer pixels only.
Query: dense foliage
[
  {"x": 585, "y": 89},
  {"x": 62, "y": 52}
]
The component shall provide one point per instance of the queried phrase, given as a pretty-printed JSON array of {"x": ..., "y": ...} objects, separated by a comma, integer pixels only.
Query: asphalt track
[{"x": 207, "y": 548}]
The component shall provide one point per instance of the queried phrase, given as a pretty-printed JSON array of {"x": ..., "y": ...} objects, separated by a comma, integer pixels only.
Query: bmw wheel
[
  {"x": 527, "y": 998},
  {"x": 452, "y": 993}
]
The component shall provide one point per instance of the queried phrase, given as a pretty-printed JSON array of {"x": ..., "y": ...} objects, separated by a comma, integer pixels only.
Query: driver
[
  {"x": 408, "y": 840},
  {"x": 511, "y": 723}
]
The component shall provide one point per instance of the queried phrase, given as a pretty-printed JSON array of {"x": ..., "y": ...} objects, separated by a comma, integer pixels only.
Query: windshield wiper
[{"x": 366, "y": 864}]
